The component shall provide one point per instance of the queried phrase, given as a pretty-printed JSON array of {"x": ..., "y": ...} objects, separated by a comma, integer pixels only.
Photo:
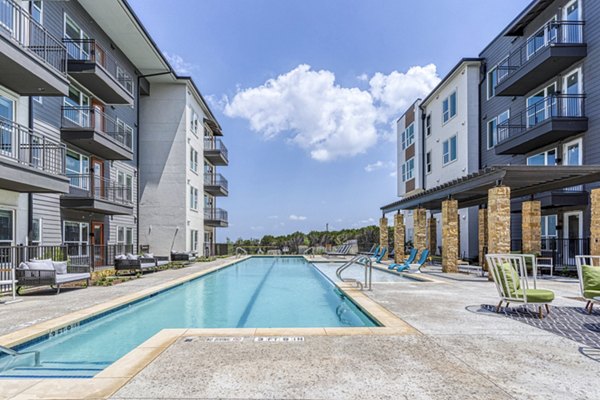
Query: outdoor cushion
[
  {"x": 511, "y": 281},
  {"x": 41, "y": 265},
  {"x": 148, "y": 255},
  {"x": 146, "y": 265},
  {"x": 23, "y": 266},
  {"x": 64, "y": 278},
  {"x": 60, "y": 267},
  {"x": 591, "y": 278},
  {"x": 590, "y": 294},
  {"x": 536, "y": 295},
  {"x": 132, "y": 257},
  {"x": 121, "y": 257}
]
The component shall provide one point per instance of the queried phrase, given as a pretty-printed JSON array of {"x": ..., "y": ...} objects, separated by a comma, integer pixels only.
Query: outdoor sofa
[
  {"x": 50, "y": 273},
  {"x": 179, "y": 256},
  {"x": 133, "y": 262}
]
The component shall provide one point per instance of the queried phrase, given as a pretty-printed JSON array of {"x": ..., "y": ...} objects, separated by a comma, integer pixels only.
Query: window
[
  {"x": 124, "y": 133},
  {"x": 129, "y": 187},
  {"x": 496, "y": 131},
  {"x": 7, "y": 112},
  {"x": 193, "y": 160},
  {"x": 449, "y": 150},
  {"x": 408, "y": 136},
  {"x": 492, "y": 81},
  {"x": 193, "y": 198},
  {"x": 544, "y": 158},
  {"x": 36, "y": 231},
  {"x": 129, "y": 236},
  {"x": 76, "y": 237},
  {"x": 541, "y": 105},
  {"x": 501, "y": 71},
  {"x": 78, "y": 44},
  {"x": 6, "y": 227},
  {"x": 195, "y": 123},
  {"x": 428, "y": 125},
  {"x": 124, "y": 186},
  {"x": 408, "y": 170},
  {"x": 208, "y": 201},
  {"x": 124, "y": 235},
  {"x": 539, "y": 40},
  {"x": 193, "y": 240},
  {"x": 428, "y": 162},
  {"x": 125, "y": 79},
  {"x": 37, "y": 11},
  {"x": 77, "y": 167},
  {"x": 449, "y": 108},
  {"x": 77, "y": 107},
  {"x": 549, "y": 233}
]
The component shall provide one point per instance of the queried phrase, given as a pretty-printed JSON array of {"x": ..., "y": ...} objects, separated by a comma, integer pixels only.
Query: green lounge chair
[
  {"x": 510, "y": 276},
  {"x": 588, "y": 271}
]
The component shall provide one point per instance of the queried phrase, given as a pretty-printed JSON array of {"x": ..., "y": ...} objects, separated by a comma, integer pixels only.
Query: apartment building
[
  {"x": 438, "y": 141},
  {"x": 179, "y": 152},
  {"x": 536, "y": 108},
  {"x": 73, "y": 77}
]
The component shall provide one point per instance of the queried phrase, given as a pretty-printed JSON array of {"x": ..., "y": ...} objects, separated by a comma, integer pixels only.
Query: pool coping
[{"x": 116, "y": 375}]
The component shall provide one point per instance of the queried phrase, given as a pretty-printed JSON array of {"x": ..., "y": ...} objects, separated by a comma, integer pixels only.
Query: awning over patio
[{"x": 523, "y": 180}]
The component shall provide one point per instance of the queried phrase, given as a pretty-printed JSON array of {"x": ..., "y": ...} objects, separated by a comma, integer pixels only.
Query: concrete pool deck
[{"x": 457, "y": 349}]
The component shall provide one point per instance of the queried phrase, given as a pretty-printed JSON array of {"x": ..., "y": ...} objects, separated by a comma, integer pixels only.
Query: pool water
[{"x": 255, "y": 293}]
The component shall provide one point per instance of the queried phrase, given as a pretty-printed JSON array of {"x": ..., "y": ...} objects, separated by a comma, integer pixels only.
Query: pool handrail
[
  {"x": 312, "y": 251},
  {"x": 360, "y": 259},
  {"x": 239, "y": 251},
  {"x": 13, "y": 353}
]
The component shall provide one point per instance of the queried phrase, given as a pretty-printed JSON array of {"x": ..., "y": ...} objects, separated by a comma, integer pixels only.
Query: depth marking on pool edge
[
  {"x": 223, "y": 339},
  {"x": 279, "y": 339}
]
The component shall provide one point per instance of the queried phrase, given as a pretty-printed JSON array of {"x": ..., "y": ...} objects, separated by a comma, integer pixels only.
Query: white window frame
[
  {"x": 450, "y": 116},
  {"x": 449, "y": 153},
  {"x": 40, "y": 9},
  {"x": 491, "y": 85},
  {"x": 82, "y": 35},
  {"x": 428, "y": 162},
  {"x": 193, "y": 198},
  {"x": 408, "y": 169},
  {"x": 10, "y": 242},
  {"x": 120, "y": 235},
  {"x": 547, "y": 39},
  {"x": 39, "y": 231},
  {"x": 544, "y": 153},
  {"x": 493, "y": 134},
  {"x": 579, "y": 143},
  {"x": 194, "y": 239},
  {"x": 193, "y": 160},
  {"x": 545, "y": 223},
  {"x": 80, "y": 182},
  {"x": 83, "y": 242},
  {"x": 428, "y": 125}
]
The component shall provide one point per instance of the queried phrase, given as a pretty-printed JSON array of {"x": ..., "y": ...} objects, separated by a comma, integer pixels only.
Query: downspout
[{"x": 30, "y": 195}]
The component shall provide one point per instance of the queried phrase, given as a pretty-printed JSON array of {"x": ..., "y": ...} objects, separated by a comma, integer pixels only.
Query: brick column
[
  {"x": 399, "y": 238},
  {"x": 483, "y": 236},
  {"x": 595, "y": 223},
  {"x": 432, "y": 235},
  {"x": 420, "y": 233},
  {"x": 531, "y": 226},
  {"x": 383, "y": 236},
  {"x": 498, "y": 221},
  {"x": 450, "y": 236}
]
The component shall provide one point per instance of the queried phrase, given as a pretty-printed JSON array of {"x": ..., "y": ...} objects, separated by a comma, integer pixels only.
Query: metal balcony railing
[
  {"x": 17, "y": 24},
  {"x": 100, "y": 188},
  {"x": 215, "y": 214},
  {"x": 211, "y": 143},
  {"x": 555, "y": 106},
  {"x": 216, "y": 180},
  {"x": 26, "y": 147},
  {"x": 554, "y": 32},
  {"x": 89, "y": 50},
  {"x": 87, "y": 117}
]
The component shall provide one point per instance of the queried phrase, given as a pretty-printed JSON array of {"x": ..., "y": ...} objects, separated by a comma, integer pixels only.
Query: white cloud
[
  {"x": 328, "y": 120},
  {"x": 273, "y": 217},
  {"x": 363, "y": 77},
  {"x": 380, "y": 165},
  {"x": 394, "y": 173},
  {"x": 179, "y": 64},
  {"x": 295, "y": 217}
]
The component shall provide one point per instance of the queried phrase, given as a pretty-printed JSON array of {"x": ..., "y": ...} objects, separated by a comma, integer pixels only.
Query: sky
[{"x": 307, "y": 93}]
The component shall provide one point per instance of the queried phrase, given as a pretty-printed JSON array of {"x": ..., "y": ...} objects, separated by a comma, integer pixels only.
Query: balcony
[
  {"x": 556, "y": 46},
  {"x": 94, "y": 131},
  {"x": 551, "y": 119},
  {"x": 97, "y": 70},
  {"x": 215, "y": 217},
  {"x": 32, "y": 61},
  {"x": 97, "y": 194},
  {"x": 215, "y": 151},
  {"x": 30, "y": 162},
  {"x": 216, "y": 185}
]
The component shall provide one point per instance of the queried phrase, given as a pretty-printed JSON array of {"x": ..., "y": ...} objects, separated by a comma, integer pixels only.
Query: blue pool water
[{"x": 255, "y": 293}]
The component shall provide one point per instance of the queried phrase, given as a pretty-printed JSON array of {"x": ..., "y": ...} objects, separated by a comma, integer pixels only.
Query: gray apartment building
[
  {"x": 73, "y": 76},
  {"x": 536, "y": 109}
]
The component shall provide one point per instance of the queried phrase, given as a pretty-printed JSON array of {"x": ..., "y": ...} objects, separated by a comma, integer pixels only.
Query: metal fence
[
  {"x": 216, "y": 180},
  {"x": 101, "y": 188},
  {"x": 91, "y": 118},
  {"x": 561, "y": 250},
  {"x": 97, "y": 256},
  {"x": 211, "y": 143},
  {"x": 12, "y": 256}
]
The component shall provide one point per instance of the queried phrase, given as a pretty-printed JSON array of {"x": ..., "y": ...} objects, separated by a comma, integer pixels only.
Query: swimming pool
[{"x": 260, "y": 292}]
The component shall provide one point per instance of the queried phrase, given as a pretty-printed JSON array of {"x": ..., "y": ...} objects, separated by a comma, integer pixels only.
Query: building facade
[{"x": 179, "y": 153}]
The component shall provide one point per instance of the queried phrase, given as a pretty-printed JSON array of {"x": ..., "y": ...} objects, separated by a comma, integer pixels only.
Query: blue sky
[{"x": 315, "y": 145}]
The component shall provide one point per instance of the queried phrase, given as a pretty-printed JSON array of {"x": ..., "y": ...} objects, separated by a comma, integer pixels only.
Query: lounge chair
[
  {"x": 510, "y": 276},
  {"x": 588, "y": 271},
  {"x": 378, "y": 257},
  {"x": 342, "y": 250},
  {"x": 410, "y": 259},
  {"x": 373, "y": 250},
  {"x": 50, "y": 273},
  {"x": 408, "y": 265}
]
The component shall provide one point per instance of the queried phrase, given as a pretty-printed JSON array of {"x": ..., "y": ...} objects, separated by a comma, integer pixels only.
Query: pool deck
[{"x": 446, "y": 345}]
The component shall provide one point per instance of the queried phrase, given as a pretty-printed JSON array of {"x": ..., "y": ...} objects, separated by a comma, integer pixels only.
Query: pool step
[{"x": 57, "y": 369}]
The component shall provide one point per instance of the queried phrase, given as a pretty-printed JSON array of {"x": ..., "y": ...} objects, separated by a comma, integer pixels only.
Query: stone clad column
[
  {"x": 399, "y": 238},
  {"x": 450, "y": 236},
  {"x": 595, "y": 223},
  {"x": 432, "y": 236},
  {"x": 420, "y": 233},
  {"x": 483, "y": 236},
  {"x": 498, "y": 221},
  {"x": 383, "y": 236},
  {"x": 531, "y": 226}
]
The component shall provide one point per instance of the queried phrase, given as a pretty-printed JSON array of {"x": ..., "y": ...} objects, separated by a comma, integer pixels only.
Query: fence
[{"x": 561, "y": 250}]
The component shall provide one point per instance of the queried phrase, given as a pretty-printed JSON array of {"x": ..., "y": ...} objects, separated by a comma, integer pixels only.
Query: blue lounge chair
[
  {"x": 377, "y": 257},
  {"x": 419, "y": 264},
  {"x": 410, "y": 259}
]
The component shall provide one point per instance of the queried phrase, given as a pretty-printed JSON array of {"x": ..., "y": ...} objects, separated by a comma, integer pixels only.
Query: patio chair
[
  {"x": 545, "y": 263},
  {"x": 50, "y": 273},
  {"x": 342, "y": 250},
  {"x": 422, "y": 260},
  {"x": 509, "y": 272},
  {"x": 588, "y": 271},
  {"x": 410, "y": 259},
  {"x": 371, "y": 251},
  {"x": 378, "y": 257}
]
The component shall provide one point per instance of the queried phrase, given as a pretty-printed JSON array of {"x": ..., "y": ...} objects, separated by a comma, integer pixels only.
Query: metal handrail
[
  {"x": 211, "y": 143},
  {"x": 554, "y": 106},
  {"x": 15, "y": 354},
  {"x": 215, "y": 214},
  {"x": 556, "y": 32},
  {"x": 239, "y": 251},
  {"x": 88, "y": 117},
  {"x": 19, "y": 26},
  {"x": 360, "y": 259},
  {"x": 99, "y": 187},
  {"x": 311, "y": 250},
  {"x": 216, "y": 180}
]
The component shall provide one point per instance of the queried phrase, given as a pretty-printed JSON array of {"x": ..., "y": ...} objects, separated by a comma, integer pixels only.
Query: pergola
[{"x": 494, "y": 186}]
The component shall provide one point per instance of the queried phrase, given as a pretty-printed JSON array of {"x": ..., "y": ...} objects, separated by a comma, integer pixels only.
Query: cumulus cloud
[
  {"x": 295, "y": 217},
  {"x": 179, "y": 64},
  {"x": 322, "y": 117},
  {"x": 379, "y": 165}
]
